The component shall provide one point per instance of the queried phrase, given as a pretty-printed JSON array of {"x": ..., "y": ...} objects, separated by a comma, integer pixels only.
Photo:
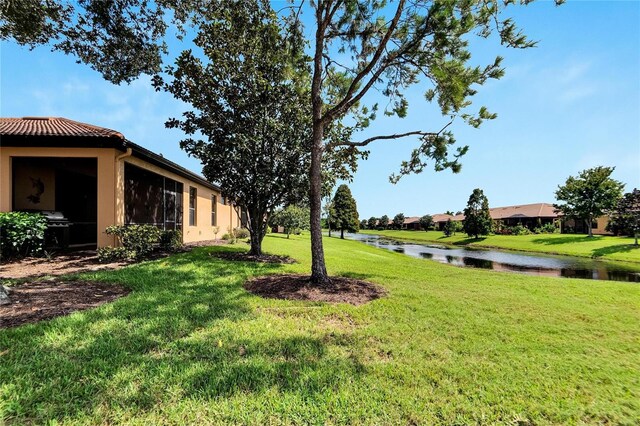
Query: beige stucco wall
[
  {"x": 202, "y": 230},
  {"x": 602, "y": 222},
  {"x": 111, "y": 191},
  {"x": 106, "y": 179}
]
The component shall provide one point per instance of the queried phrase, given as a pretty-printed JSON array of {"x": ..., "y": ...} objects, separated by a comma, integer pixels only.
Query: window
[
  {"x": 223, "y": 201},
  {"x": 152, "y": 199},
  {"x": 193, "y": 195},
  {"x": 214, "y": 210}
]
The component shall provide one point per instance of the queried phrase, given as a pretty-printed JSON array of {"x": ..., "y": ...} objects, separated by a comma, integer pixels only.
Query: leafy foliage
[
  {"x": 171, "y": 240},
  {"x": 292, "y": 219},
  {"x": 250, "y": 98},
  {"x": 426, "y": 222},
  {"x": 384, "y": 222},
  {"x": 372, "y": 223},
  {"x": 477, "y": 220},
  {"x": 346, "y": 211},
  {"x": 398, "y": 221},
  {"x": 22, "y": 234},
  {"x": 137, "y": 242},
  {"x": 625, "y": 217},
  {"x": 589, "y": 195}
]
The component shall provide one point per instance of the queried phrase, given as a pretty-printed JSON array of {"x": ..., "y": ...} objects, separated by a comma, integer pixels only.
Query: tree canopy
[
  {"x": 291, "y": 218},
  {"x": 625, "y": 217},
  {"x": 249, "y": 126},
  {"x": 357, "y": 45},
  {"x": 589, "y": 195},
  {"x": 398, "y": 221},
  {"x": 346, "y": 211},
  {"x": 426, "y": 222},
  {"x": 477, "y": 219}
]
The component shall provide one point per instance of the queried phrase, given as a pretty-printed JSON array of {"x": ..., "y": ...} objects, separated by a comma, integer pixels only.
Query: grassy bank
[
  {"x": 447, "y": 346},
  {"x": 599, "y": 246}
]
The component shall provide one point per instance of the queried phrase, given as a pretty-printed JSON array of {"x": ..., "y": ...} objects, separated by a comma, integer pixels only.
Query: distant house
[
  {"x": 411, "y": 223},
  {"x": 527, "y": 215},
  {"x": 93, "y": 177}
]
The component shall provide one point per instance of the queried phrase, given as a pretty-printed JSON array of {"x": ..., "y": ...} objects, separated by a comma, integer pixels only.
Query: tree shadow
[
  {"x": 564, "y": 240},
  {"x": 175, "y": 330},
  {"x": 468, "y": 241},
  {"x": 620, "y": 248}
]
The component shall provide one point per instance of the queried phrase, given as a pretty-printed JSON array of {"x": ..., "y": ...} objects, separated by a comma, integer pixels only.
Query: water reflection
[{"x": 552, "y": 266}]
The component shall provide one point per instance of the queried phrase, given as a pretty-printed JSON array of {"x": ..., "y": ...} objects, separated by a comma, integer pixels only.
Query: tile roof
[
  {"x": 519, "y": 211},
  {"x": 412, "y": 219},
  {"x": 53, "y": 126},
  {"x": 524, "y": 210}
]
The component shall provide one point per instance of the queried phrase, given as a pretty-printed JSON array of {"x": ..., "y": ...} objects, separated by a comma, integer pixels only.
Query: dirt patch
[
  {"x": 43, "y": 300},
  {"x": 299, "y": 287},
  {"x": 77, "y": 261},
  {"x": 246, "y": 257},
  {"x": 65, "y": 263}
]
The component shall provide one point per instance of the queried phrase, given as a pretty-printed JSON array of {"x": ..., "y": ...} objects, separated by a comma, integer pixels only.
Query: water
[{"x": 533, "y": 264}]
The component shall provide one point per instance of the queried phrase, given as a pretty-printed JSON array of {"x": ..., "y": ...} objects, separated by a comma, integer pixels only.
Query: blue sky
[{"x": 571, "y": 103}]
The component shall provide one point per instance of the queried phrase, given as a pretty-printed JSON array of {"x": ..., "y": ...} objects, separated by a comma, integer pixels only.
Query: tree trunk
[
  {"x": 318, "y": 269},
  {"x": 590, "y": 231},
  {"x": 635, "y": 234},
  {"x": 256, "y": 232},
  {"x": 342, "y": 234}
]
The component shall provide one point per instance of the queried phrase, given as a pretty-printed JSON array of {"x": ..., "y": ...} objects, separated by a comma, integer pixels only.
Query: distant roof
[
  {"x": 524, "y": 210},
  {"x": 412, "y": 219},
  {"x": 53, "y": 126},
  {"x": 519, "y": 211},
  {"x": 62, "y": 132}
]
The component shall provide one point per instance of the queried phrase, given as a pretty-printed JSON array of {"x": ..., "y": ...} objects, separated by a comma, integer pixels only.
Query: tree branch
[{"x": 393, "y": 136}]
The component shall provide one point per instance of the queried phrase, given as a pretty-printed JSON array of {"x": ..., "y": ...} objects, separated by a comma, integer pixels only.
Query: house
[
  {"x": 529, "y": 215},
  {"x": 94, "y": 177},
  {"x": 411, "y": 223}
]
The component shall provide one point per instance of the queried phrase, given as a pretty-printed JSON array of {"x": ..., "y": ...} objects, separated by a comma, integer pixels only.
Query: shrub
[
  {"x": 547, "y": 228},
  {"x": 111, "y": 254},
  {"x": 21, "y": 234},
  {"x": 227, "y": 237},
  {"x": 519, "y": 230},
  {"x": 138, "y": 241},
  {"x": 241, "y": 233},
  {"x": 171, "y": 240}
]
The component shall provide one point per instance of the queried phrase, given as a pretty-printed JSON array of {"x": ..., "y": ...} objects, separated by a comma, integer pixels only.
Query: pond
[{"x": 533, "y": 264}]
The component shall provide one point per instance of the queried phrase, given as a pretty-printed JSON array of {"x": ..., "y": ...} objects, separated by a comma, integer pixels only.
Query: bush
[
  {"x": 241, "y": 233},
  {"x": 171, "y": 240},
  {"x": 227, "y": 237},
  {"x": 516, "y": 230},
  {"x": 548, "y": 228},
  {"x": 137, "y": 241},
  {"x": 112, "y": 254},
  {"x": 21, "y": 234}
]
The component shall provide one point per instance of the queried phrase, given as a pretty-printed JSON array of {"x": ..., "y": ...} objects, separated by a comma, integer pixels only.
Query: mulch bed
[
  {"x": 246, "y": 257},
  {"x": 299, "y": 287},
  {"x": 43, "y": 300}
]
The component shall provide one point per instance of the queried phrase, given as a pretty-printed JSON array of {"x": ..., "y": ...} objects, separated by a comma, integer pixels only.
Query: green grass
[
  {"x": 447, "y": 346},
  {"x": 598, "y": 246}
]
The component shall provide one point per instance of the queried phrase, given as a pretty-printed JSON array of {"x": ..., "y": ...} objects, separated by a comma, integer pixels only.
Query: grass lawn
[
  {"x": 447, "y": 346},
  {"x": 599, "y": 246}
]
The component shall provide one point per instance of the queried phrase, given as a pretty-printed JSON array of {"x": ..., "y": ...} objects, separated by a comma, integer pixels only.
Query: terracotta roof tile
[{"x": 52, "y": 126}]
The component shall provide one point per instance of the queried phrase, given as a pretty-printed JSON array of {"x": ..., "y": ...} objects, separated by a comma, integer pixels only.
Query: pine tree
[
  {"x": 346, "y": 211},
  {"x": 477, "y": 220}
]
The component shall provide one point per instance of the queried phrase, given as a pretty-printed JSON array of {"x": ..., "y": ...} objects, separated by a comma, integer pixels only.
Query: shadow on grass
[
  {"x": 466, "y": 241},
  {"x": 563, "y": 240},
  {"x": 178, "y": 330},
  {"x": 620, "y": 248}
]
